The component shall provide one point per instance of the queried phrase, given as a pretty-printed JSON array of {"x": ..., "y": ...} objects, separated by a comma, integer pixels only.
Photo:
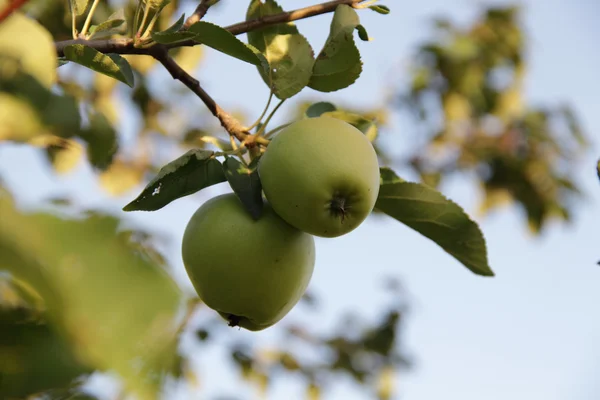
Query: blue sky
[{"x": 530, "y": 332}]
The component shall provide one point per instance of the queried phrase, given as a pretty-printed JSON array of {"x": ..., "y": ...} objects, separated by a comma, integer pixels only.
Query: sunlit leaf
[
  {"x": 112, "y": 65},
  {"x": 20, "y": 121},
  {"x": 24, "y": 40},
  {"x": 338, "y": 65},
  {"x": 288, "y": 53},
  {"x": 65, "y": 155},
  {"x": 246, "y": 185},
  {"x": 365, "y": 125},
  {"x": 431, "y": 214},
  {"x": 186, "y": 175},
  {"x": 78, "y": 7},
  {"x": 121, "y": 177}
]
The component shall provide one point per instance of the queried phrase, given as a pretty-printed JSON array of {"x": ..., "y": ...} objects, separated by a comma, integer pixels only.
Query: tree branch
[
  {"x": 294, "y": 15},
  {"x": 125, "y": 46},
  {"x": 12, "y": 7},
  {"x": 161, "y": 54}
]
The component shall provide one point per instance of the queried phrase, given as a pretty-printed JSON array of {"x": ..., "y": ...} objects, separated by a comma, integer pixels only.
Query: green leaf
[
  {"x": 109, "y": 26},
  {"x": 362, "y": 33},
  {"x": 381, "y": 9},
  {"x": 246, "y": 185},
  {"x": 102, "y": 141},
  {"x": 117, "y": 307},
  {"x": 338, "y": 65},
  {"x": 176, "y": 26},
  {"x": 317, "y": 109},
  {"x": 172, "y": 34},
  {"x": 431, "y": 214},
  {"x": 387, "y": 176},
  {"x": 365, "y": 125},
  {"x": 193, "y": 171},
  {"x": 214, "y": 36},
  {"x": 43, "y": 356},
  {"x": 288, "y": 53},
  {"x": 171, "y": 37},
  {"x": 598, "y": 168},
  {"x": 112, "y": 65},
  {"x": 78, "y": 7}
]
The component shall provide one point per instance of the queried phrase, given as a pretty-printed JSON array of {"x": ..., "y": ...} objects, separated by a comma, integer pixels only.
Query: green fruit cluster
[{"x": 320, "y": 177}]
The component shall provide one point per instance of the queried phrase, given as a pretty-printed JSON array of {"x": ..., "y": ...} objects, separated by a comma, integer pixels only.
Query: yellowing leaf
[
  {"x": 385, "y": 383},
  {"x": 189, "y": 58},
  {"x": 313, "y": 392},
  {"x": 456, "y": 107},
  {"x": 19, "y": 122},
  {"x": 25, "y": 40},
  {"x": 66, "y": 155},
  {"x": 120, "y": 178}
]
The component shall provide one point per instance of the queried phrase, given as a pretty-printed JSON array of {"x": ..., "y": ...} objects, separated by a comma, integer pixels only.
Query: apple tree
[{"x": 81, "y": 293}]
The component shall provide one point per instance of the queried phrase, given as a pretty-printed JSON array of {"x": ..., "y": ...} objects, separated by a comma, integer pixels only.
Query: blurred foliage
[
  {"x": 79, "y": 294},
  {"x": 467, "y": 92},
  {"x": 111, "y": 301}
]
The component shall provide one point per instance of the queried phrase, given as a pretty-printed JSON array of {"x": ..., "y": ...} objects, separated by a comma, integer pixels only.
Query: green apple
[
  {"x": 321, "y": 175},
  {"x": 252, "y": 272}
]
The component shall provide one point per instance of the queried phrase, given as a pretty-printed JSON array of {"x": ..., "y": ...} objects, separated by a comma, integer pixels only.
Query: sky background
[{"x": 531, "y": 332}]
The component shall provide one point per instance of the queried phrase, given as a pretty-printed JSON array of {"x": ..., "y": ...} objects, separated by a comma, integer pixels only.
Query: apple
[
  {"x": 321, "y": 175},
  {"x": 252, "y": 272}
]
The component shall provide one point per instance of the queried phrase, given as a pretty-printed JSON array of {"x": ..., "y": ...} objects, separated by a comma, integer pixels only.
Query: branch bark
[{"x": 161, "y": 54}]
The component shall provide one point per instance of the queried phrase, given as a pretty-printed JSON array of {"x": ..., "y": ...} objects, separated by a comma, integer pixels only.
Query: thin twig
[
  {"x": 301, "y": 13},
  {"x": 88, "y": 19},
  {"x": 12, "y": 7},
  {"x": 199, "y": 13},
  {"x": 227, "y": 121}
]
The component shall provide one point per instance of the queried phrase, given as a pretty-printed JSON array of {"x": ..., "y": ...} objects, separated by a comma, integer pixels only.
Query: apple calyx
[
  {"x": 338, "y": 206},
  {"x": 234, "y": 320}
]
